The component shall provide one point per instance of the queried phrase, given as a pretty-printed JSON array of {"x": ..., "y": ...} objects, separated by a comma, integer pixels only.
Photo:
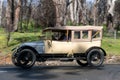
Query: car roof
[{"x": 75, "y": 28}]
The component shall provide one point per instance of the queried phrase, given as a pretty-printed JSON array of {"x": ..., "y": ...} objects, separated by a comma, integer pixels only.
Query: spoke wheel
[
  {"x": 14, "y": 59},
  {"x": 95, "y": 57},
  {"x": 26, "y": 58}
]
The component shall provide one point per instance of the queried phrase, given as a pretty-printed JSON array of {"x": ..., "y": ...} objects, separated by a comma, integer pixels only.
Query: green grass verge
[
  {"x": 111, "y": 46},
  {"x": 16, "y": 39}
]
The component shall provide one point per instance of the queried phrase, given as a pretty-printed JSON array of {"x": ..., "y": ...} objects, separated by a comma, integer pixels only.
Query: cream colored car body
[
  {"x": 74, "y": 45},
  {"x": 69, "y": 47}
]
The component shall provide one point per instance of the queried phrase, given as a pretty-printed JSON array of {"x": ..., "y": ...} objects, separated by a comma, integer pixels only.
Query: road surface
[{"x": 61, "y": 72}]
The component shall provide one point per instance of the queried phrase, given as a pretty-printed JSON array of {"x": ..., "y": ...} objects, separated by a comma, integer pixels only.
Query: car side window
[
  {"x": 96, "y": 34},
  {"x": 81, "y": 34},
  {"x": 84, "y": 34},
  {"x": 77, "y": 35}
]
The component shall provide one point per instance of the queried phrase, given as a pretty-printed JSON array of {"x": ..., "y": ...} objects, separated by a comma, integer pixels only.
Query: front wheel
[
  {"x": 14, "y": 59},
  {"x": 95, "y": 57},
  {"x": 26, "y": 58}
]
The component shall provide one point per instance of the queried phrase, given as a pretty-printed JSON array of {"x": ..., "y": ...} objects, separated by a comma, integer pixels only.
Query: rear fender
[{"x": 96, "y": 48}]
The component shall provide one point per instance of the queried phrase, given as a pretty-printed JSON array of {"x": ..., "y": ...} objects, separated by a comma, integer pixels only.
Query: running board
[{"x": 62, "y": 59}]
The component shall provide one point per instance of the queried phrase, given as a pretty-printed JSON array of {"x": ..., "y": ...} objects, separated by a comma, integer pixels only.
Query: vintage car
[{"x": 67, "y": 43}]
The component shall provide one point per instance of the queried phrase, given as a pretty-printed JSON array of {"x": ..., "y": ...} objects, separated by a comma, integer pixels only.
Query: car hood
[
  {"x": 37, "y": 45},
  {"x": 40, "y": 43}
]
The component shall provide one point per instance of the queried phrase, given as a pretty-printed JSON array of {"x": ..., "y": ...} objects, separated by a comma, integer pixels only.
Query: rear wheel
[
  {"x": 95, "y": 57},
  {"x": 26, "y": 58}
]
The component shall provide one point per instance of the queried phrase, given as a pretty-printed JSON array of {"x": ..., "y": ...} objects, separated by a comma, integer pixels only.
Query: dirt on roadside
[
  {"x": 110, "y": 59},
  {"x": 5, "y": 59}
]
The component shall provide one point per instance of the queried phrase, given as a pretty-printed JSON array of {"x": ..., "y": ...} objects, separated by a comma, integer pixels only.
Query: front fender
[{"x": 37, "y": 47}]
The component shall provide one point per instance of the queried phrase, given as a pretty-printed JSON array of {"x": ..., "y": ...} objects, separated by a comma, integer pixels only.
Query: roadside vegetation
[
  {"x": 16, "y": 39},
  {"x": 111, "y": 46}
]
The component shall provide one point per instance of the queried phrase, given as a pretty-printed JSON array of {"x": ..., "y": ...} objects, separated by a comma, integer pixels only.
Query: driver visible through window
[{"x": 61, "y": 36}]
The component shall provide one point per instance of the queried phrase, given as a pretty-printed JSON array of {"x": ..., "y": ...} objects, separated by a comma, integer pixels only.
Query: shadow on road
[{"x": 53, "y": 72}]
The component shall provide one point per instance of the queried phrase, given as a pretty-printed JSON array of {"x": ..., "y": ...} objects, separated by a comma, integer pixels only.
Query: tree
[
  {"x": 9, "y": 18},
  {"x": 1, "y": 4},
  {"x": 28, "y": 12},
  {"x": 22, "y": 13},
  {"x": 58, "y": 12},
  {"x": 95, "y": 11},
  {"x": 117, "y": 15},
  {"x": 17, "y": 15},
  {"x": 60, "y": 8},
  {"x": 45, "y": 14},
  {"x": 77, "y": 10},
  {"x": 10, "y": 15},
  {"x": 70, "y": 10},
  {"x": 110, "y": 16},
  {"x": 100, "y": 10}
]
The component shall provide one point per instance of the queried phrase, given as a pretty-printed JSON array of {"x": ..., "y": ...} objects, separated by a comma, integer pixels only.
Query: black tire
[
  {"x": 14, "y": 59},
  {"x": 26, "y": 58},
  {"x": 82, "y": 63},
  {"x": 95, "y": 57}
]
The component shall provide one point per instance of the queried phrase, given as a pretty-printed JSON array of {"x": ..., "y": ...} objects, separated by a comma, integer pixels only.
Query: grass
[
  {"x": 111, "y": 46},
  {"x": 16, "y": 39}
]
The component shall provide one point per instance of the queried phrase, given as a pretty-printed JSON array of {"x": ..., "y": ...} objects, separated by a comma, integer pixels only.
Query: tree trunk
[
  {"x": 17, "y": 15},
  {"x": 75, "y": 8},
  {"x": 110, "y": 16},
  {"x": 96, "y": 12},
  {"x": 60, "y": 12},
  {"x": 1, "y": 5},
  {"x": 71, "y": 11},
  {"x": 22, "y": 13},
  {"x": 9, "y": 18},
  {"x": 29, "y": 13},
  {"x": 84, "y": 12},
  {"x": 10, "y": 15}
]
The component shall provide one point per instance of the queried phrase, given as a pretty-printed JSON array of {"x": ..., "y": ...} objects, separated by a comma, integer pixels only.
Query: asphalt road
[{"x": 61, "y": 72}]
